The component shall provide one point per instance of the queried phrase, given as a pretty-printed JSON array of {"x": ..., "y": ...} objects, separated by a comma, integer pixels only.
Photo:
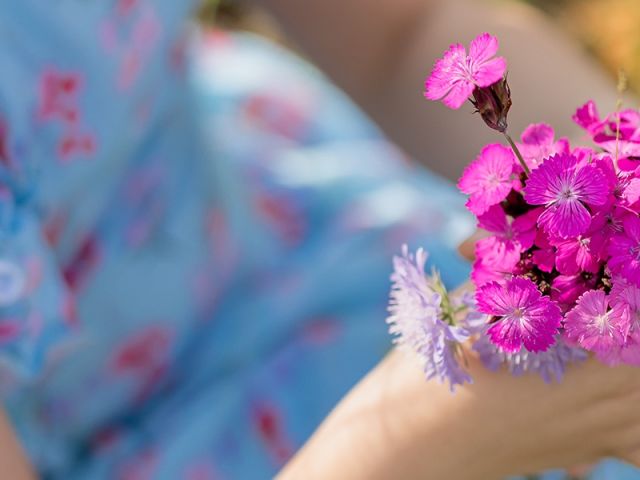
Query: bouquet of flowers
[{"x": 558, "y": 274}]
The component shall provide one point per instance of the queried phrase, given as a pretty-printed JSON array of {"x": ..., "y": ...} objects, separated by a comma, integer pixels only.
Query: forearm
[
  {"x": 13, "y": 462},
  {"x": 394, "y": 425},
  {"x": 381, "y": 52}
]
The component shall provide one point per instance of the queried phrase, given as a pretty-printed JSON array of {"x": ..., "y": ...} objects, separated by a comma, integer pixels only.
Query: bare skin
[
  {"x": 13, "y": 462},
  {"x": 380, "y": 52},
  {"x": 393, "y": 424}
]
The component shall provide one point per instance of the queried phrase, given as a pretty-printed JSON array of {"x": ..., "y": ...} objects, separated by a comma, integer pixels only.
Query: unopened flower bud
[{"x": 493, "y": 104}]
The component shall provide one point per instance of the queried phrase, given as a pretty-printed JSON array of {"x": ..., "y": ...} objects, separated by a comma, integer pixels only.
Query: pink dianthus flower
[
  {"x": 456, "y": 75},
  {"x": 565, "y": 188},
  {"x": 594, "y": 325},
  {"x": 523, "y": 315},
  {"x": 489, "y": 178}
]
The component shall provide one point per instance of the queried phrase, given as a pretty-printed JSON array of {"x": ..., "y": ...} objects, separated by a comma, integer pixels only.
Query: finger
[
  {"x": 632, "y": 457},
  {"x": 468, "y": 247}
]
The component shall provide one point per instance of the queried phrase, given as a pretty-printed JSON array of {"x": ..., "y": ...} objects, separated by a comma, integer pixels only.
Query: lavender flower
[{"x": 422, "y": 319}]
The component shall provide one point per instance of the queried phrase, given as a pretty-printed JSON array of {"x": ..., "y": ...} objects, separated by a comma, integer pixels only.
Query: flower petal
[
  {"x": 490, "y": 72},
  {"x": 483, "y": 47},
  {"x": 445, "y": 72},
  {"x": 565, "y": 219}
]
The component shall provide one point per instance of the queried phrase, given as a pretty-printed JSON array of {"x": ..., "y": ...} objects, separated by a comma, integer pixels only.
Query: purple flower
[
  {"x": 593, "y": 325},
  {"x": 538, "y": 143},
  {"x": 549, "y": 364},
  {"x": 416, "y": 319},
  {"x": 624, "y": 249},
  {"x": 456, "y": 75},
  {"x": 564, "y": 188},
  {"x": 523, "y": 315},
  {"x": 489, "y": 179}
]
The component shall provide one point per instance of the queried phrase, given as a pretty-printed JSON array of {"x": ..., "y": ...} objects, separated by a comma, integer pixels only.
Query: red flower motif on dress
[
  {"x": 141, "y": 467},
  {"x": 283, "y": 215},
  {"x": 129, "y": 34},
  {"x": 59, "y": 104},
  {"x": 269, "y": 425},
  {"x": 5, "y": 156},
  {"x": 83, "y": 263},
  {"x": 144, "y": 355}
]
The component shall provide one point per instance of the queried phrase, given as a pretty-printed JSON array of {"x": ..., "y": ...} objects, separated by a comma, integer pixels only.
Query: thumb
[{"x": 468, "y": 247}]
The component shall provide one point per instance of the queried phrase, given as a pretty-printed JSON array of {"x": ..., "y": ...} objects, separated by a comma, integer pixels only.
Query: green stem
[{"x": 517, "y": 152}]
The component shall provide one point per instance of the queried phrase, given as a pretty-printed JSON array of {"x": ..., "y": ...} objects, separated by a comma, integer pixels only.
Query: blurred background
[{"x": 599, "y": 25}]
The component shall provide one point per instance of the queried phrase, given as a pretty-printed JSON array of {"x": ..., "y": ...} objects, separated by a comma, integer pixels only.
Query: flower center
[
  {"x": 493, "y": 180},
  {"x": 468, "y": 69},
  {"x": 602, "y": 322},
  {"x": 567, "y": 193},
  {"x": 583, "y": 243}
]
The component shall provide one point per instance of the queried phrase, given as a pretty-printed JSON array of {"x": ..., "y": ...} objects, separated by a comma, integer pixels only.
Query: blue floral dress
[{"x": 195, "y": 242}]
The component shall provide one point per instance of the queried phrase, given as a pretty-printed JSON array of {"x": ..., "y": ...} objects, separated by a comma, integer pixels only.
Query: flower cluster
[
  {"x": 426, "y": 320},
  {"x": 558, "y": 273}
]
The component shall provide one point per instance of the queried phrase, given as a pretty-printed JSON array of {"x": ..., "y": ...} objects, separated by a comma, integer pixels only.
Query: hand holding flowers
[{"x": 559, "y": 274}]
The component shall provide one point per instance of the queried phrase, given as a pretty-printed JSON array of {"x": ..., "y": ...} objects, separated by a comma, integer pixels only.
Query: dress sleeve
[{"x": 36, "y": 309}]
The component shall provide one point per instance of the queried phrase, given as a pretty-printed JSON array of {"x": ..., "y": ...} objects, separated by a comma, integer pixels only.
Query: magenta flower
[
  {"x": 489, "y": 178},
  {"x": 565, "y": 188},
  {"x": 631, "y": 191},
  {"x": 618, "y": 134},
  {"x": 566, "y": 289},
  {"x": 538, "y": 143},
  {"x": 594, "y": 325},
  {"x": 624, "y": 251},
  {"x": 508, "y": 240},
  {"x": 626, "y": 303},
  {"x": 524, "y": 316},
  {"x": 544, "y": 255},
  {"x": 456, "y": 75},
  {"x": 584, "y": 252},
  {"x": 587, "y": 117},
  {"x": 483, "y": 272}
]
